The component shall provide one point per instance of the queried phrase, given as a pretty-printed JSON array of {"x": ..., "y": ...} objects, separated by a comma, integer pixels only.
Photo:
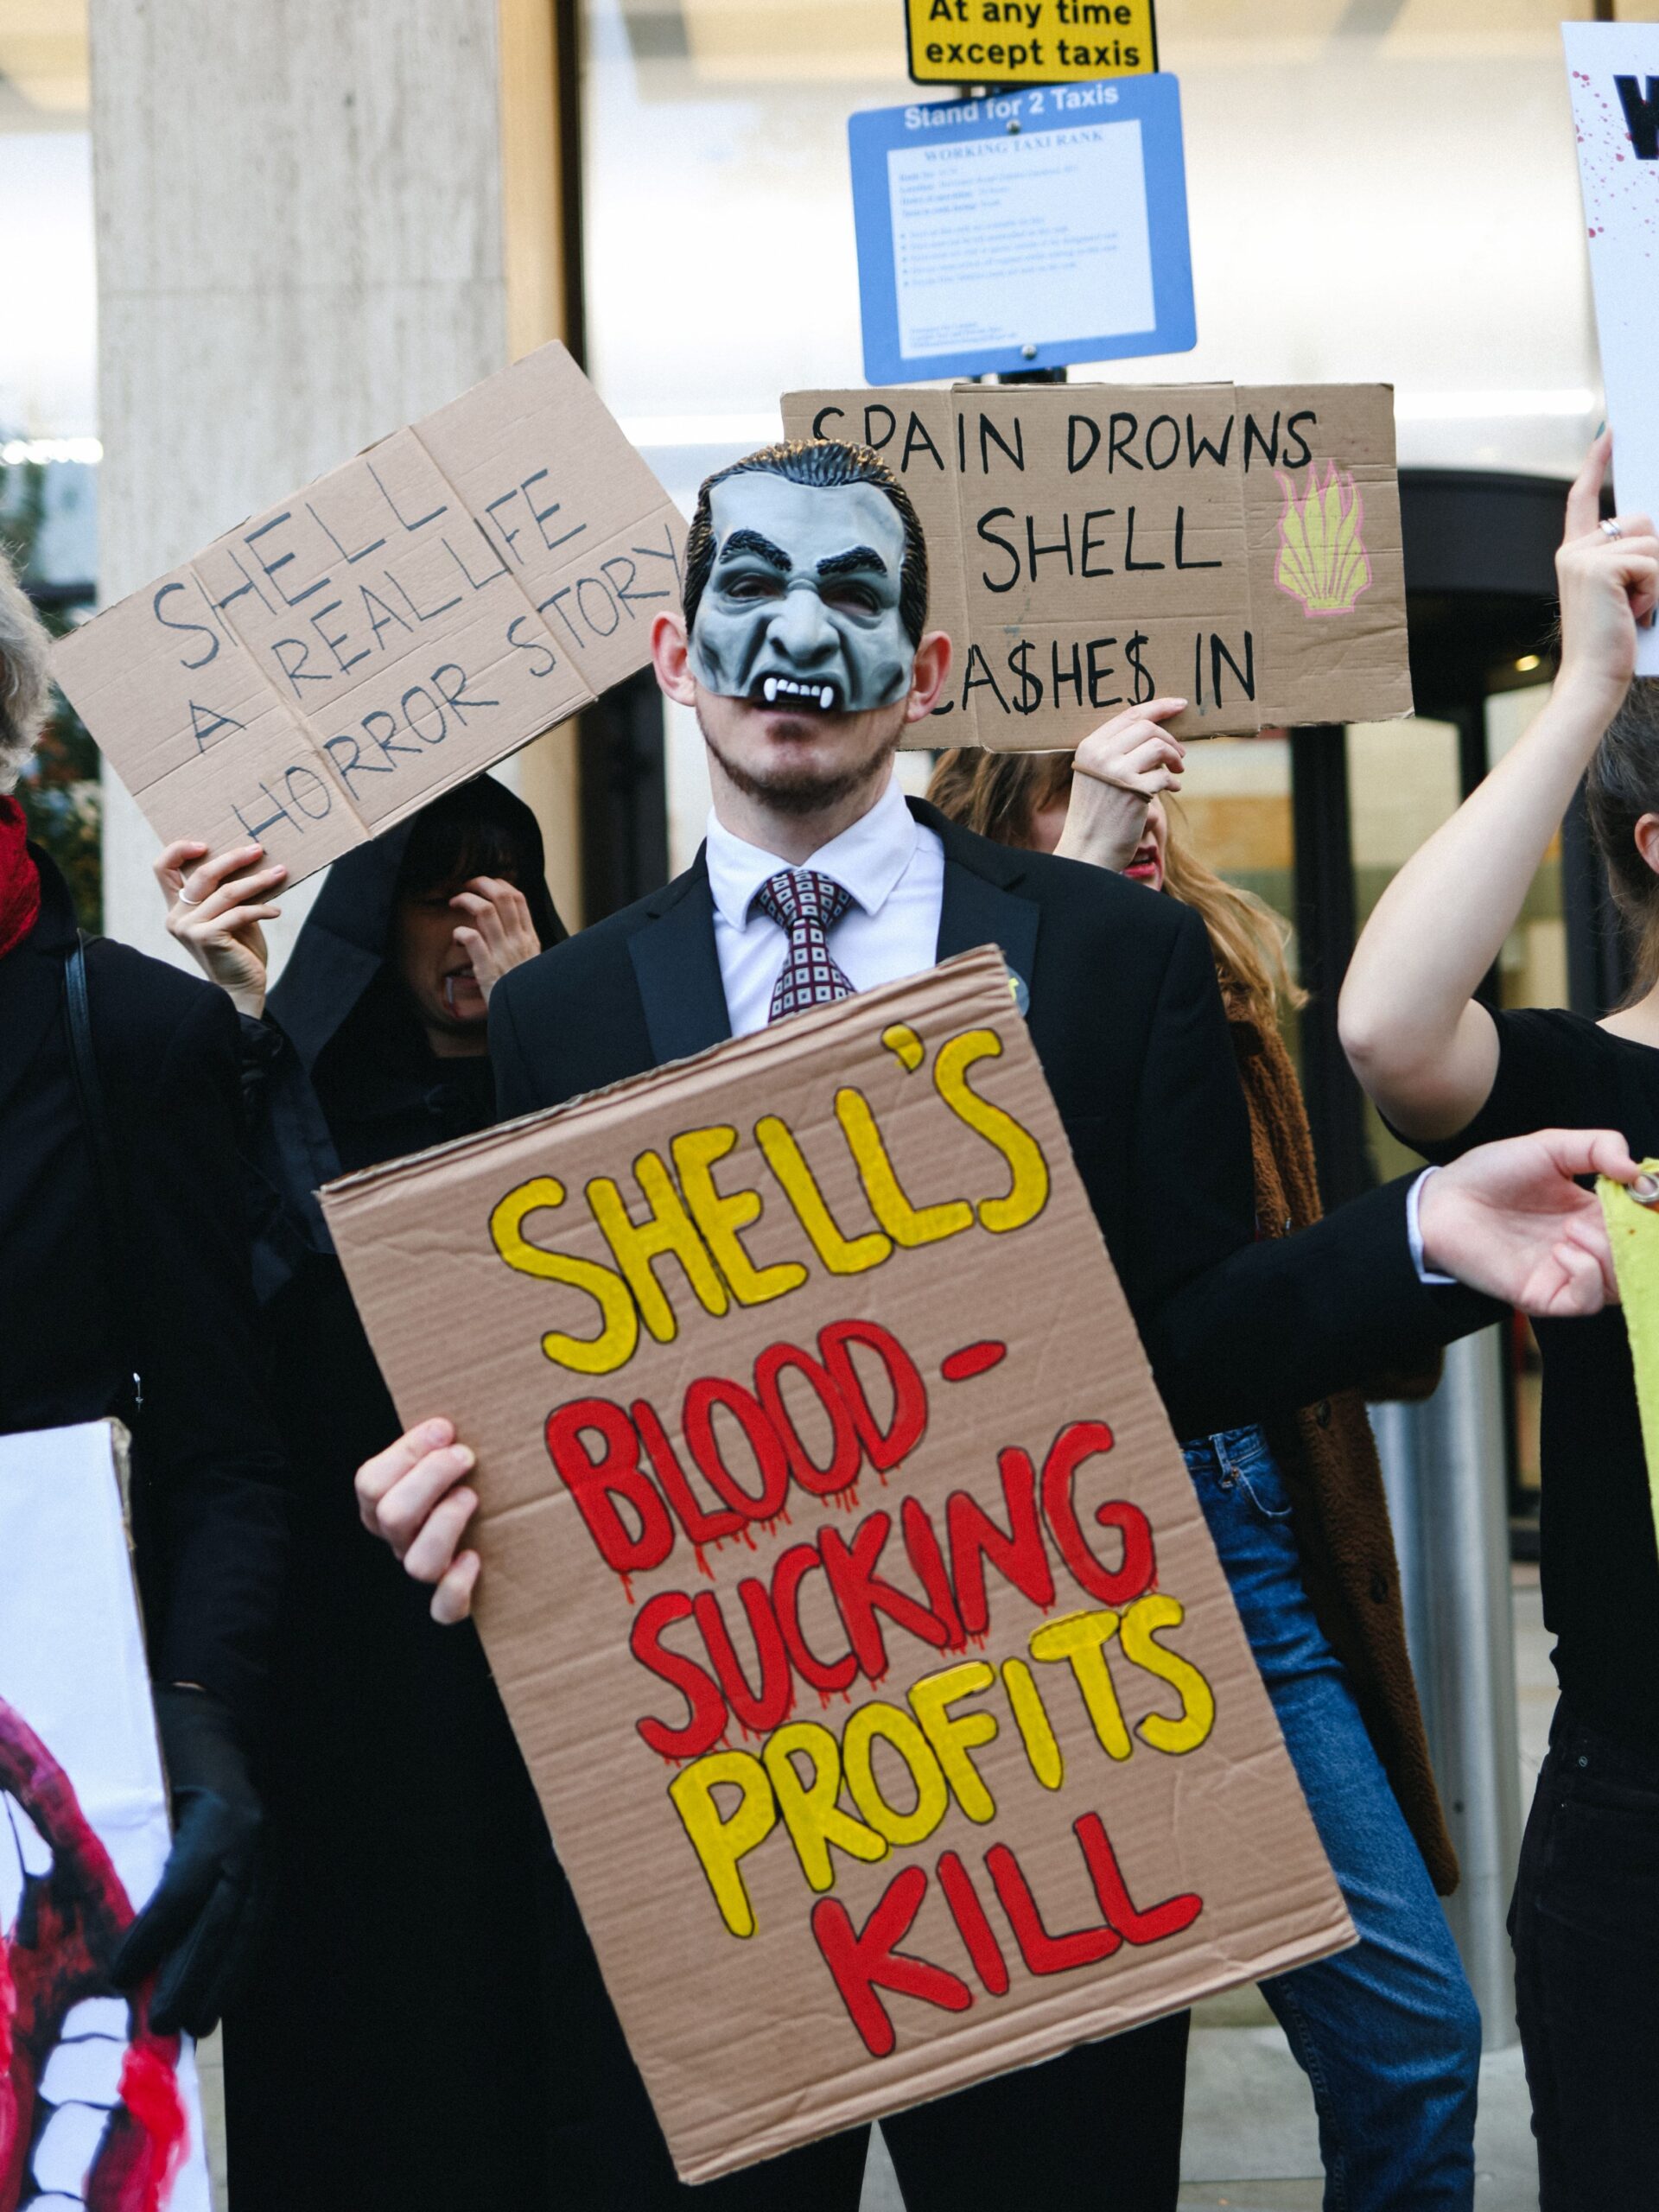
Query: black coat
[
  {"x": 386, "y": 2055},
  {"x": 208, "y": 1476},
  {"x": 1128, "y": 1024}
]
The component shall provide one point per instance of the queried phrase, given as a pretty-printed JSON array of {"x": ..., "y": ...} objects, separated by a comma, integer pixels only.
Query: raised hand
[
  {"x": 1509, "y": 1219},
  {"x": 1608, "y": 574},
  {"x": 215, "y": 907},
  {"x": 497, "y": 932},
  {"x": 1119, "y": 769}
]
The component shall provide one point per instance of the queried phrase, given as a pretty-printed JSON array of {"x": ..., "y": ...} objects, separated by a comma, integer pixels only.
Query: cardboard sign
[
  {"x": 1022, "y": 230},
  {"x": 1028, "y": 41},
  {"x": 95, "y": 2107},
  {"x": 1095, "y": 546},
  {"x": 392, "y": 629},
  {"x": 843, "y": 1581},
  {"x": 1633, "y": 1233},
  {"x": 1613, "y": 73}
]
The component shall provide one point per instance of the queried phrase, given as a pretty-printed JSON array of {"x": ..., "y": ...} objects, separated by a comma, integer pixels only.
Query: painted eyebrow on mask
[
  {"x": 751, "y": 541},
  {"x": 849, "y": 563}
]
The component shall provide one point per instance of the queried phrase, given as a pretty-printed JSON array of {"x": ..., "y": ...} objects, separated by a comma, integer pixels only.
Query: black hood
[{"x": 343, "y": 943}]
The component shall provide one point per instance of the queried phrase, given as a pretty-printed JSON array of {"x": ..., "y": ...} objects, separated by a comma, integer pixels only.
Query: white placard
[
  {"x": 997, "y": 240},
  {"x": 1613, "y": 72},
  {"x": 72, "y": 1671}
]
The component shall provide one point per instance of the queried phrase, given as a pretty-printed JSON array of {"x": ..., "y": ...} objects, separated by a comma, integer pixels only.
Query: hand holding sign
[
  {"x": 216, "y": 904},
  {"x": 1608, "y": 574},
  {"x": 1508, "y": 1219},
  {"x": 1119, "y": 770}
]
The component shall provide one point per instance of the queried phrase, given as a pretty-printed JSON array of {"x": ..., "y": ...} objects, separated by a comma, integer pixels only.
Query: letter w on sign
[{"x": 1642, "y": 113}]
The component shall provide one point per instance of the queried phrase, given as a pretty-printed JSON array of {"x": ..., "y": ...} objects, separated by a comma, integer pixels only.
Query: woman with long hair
[
  {"x": 1388, "y": 2033},
  {"x": 1449, "y": 1072}
]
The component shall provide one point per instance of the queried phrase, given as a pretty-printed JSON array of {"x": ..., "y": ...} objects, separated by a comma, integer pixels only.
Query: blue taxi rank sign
[{"x": 1023, "y": 230}]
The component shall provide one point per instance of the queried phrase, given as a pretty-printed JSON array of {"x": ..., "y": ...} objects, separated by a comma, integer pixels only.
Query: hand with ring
[{"x": 216, "y": 905}]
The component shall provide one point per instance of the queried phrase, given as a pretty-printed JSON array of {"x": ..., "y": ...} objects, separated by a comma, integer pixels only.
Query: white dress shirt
[{"x": 895, "y": 869}]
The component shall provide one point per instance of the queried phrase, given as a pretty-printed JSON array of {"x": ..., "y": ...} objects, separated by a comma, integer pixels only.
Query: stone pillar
[{"x": 301, "y": 244}]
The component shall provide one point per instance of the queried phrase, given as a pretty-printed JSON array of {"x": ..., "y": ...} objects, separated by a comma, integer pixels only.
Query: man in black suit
[{"x": 803, "y": 650}]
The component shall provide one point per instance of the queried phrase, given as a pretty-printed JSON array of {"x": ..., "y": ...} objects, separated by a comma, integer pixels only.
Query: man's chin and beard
[{"x": 808, "y": 784}]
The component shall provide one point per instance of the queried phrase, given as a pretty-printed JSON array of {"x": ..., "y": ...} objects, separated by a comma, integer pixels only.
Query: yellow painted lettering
[
  {"x": 1027, "y": 1194},
  {"x": 954, "y": 1735},
  {"x": 894, "y": 1725},
  {"x": 666, "y": 1230},
  {"x": 811, "y": 1814},
  {"x": 619, "y": 1331},
  {"x": 1079, "y": 1638},
  {"x": 1197, "y": 1714},
  {"x": 720, "y": 1841},
  {"x": 906, "y": 1224},
  {"x": 720, "y": 1216},
  {"x": 1031, "y": 1717},
  {"x": 842, "y": 1256}
]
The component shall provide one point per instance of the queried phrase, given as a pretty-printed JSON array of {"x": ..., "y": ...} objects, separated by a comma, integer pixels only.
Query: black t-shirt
[{"x": 1599, "y": 1559}]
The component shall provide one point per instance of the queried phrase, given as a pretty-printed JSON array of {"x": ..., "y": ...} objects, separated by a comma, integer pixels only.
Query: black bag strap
[{"x": 95, "y": 1120}]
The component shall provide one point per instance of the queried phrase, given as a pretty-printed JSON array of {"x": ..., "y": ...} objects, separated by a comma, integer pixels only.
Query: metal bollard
[{"x": 1443, "y": 1470}]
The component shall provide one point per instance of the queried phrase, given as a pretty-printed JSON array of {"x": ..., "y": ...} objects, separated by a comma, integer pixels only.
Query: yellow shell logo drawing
[{"x": 1322, "y": 557}]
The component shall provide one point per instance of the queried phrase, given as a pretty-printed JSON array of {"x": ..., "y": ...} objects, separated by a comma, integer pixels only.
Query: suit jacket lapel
[
  {"x": 678, "y": 969},
  {"x": 980, "y": 905}
]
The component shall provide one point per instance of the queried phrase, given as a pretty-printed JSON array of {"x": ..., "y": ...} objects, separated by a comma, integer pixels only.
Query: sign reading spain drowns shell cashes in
[
  {"x": 1094, "y": 546},
  {"x": 842, "y": 1578}
]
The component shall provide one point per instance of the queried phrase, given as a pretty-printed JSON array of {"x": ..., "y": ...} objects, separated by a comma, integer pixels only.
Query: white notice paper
[
  {"x": 1042, "y": 235},
  {"x": 103, "y": 2112},
  {"x": 1613, "y": 73}
]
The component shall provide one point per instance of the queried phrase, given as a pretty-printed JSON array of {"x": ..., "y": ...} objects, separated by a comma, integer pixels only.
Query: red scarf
[{"x": 20, "y": 879}]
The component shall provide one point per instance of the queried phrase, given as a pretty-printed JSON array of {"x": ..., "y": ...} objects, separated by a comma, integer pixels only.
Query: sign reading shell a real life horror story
[
  {"x": 843, "y": 1582},
  {"x": 1095, "y": 546},
  {"x": 327, "y": 667}
]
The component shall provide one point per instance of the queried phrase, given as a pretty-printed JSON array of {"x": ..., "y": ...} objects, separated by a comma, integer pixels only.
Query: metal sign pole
[{"x": 1443, "y": 1468}]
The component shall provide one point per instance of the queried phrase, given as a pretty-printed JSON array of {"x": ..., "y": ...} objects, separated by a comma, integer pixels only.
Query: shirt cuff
[{"x": 1414, "y": 1232}]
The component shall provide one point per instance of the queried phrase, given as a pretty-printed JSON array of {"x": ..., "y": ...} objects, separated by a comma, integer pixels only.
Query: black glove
[{"x": 198, "y": 1929}]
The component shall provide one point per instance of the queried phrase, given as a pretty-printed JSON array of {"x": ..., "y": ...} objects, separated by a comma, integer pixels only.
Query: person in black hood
[{"x": 364, "y": 2071}]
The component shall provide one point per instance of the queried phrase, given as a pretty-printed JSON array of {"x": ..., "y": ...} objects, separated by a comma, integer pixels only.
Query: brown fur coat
[{"x": 1339, "y": 1512}]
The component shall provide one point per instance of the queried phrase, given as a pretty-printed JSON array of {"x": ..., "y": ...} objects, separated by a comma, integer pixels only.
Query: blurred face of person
[
  {"x": 437, "y": 972},
  {"x": 1047, "y": 822}
]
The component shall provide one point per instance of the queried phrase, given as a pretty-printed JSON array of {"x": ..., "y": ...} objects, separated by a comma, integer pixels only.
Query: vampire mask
[{"x": 802, "y": 608}]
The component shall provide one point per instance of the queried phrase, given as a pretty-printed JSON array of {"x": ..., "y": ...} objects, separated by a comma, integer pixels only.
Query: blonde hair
[
  {"x": 998, "y": 795},
  {"x": 24, "y": 646}
]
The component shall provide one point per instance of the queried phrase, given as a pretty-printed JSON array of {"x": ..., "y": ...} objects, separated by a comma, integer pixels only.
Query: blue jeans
[{"x": 1388, "y": 2033}]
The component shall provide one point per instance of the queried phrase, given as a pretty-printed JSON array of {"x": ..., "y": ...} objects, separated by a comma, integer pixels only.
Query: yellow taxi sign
[{"x": 1029, "y": 41}]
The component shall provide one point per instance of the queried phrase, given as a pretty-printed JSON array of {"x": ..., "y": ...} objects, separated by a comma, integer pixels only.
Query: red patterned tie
[{"x": 807, "y": 906}]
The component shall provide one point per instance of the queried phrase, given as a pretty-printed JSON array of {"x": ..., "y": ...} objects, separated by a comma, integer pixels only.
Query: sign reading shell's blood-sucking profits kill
[
  {"x": 841, "y": 1575},
  {"x": 330, "y": 666}
]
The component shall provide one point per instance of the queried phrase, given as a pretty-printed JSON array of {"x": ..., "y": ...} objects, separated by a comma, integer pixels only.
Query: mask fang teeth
[
  {"x": 770, "y": 689},
  {"x": 826, "y": 698}
]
